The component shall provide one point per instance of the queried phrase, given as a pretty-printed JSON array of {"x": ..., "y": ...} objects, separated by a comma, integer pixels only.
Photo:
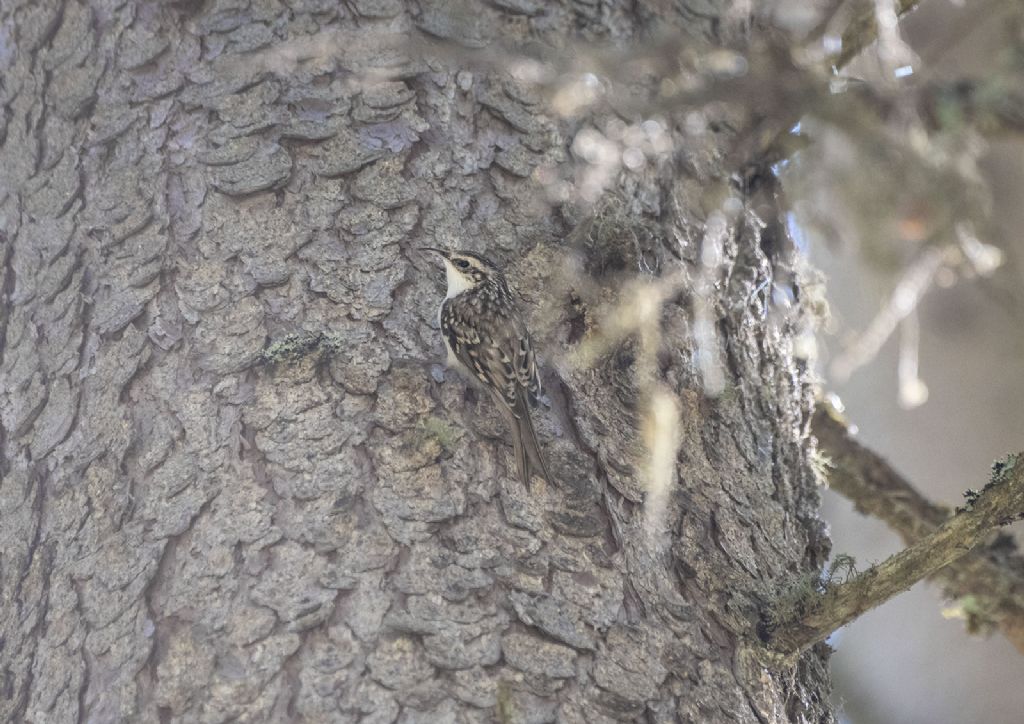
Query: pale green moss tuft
[
  {"x": 810, "y": 590},
  {"x": 438, "y": 430},
  {"x": 504, "y": 703}
]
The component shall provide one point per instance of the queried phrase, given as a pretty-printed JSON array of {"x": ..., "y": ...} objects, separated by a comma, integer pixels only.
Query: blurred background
[{"x": 906, "y": 662}]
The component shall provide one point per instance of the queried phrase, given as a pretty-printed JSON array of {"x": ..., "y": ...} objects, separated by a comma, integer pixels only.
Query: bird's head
[{"x": 465, "y": 269}]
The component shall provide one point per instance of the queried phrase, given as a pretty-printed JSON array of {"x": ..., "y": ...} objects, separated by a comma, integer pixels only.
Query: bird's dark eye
[{"x": 461, "y": 263}]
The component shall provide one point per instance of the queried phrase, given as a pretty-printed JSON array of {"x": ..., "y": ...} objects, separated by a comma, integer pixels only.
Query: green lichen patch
[
  {"x": 1002, "y": 467},
  {"x": 438, "y": 430},
  {"x": 294, "y": 347}
]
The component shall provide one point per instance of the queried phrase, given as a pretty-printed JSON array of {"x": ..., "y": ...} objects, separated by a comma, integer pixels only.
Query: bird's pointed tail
[{"x": 524, "y": 440}]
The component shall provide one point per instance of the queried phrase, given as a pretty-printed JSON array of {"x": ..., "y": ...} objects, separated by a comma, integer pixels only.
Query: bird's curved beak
[{"x": 444, "y": 254}]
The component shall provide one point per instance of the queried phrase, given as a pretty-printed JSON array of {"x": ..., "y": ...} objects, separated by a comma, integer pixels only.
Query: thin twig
[
  {"x": 1000, "y": 502},
  {"x": 915, "y": 281},
  {"x": 991, "y": 577}
]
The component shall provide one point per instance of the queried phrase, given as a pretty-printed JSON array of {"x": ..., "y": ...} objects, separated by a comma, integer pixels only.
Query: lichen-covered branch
[
  {"x": 989, "y": 581},
  {"x": 999, "y": 503}
]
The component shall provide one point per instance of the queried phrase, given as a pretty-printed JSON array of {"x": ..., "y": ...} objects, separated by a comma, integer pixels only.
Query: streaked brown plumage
[{"x": 486, "y": 337}]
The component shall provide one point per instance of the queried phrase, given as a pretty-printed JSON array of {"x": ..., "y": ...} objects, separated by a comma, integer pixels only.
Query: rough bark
[{"x": 194, "y": 533}]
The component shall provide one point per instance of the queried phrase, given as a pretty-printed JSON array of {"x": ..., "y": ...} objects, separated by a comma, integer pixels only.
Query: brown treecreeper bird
[{"x": 486, "y": 337}]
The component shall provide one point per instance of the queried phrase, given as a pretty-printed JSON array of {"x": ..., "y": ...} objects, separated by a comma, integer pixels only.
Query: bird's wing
[
  {"x": 525, "y": 363},
  {"x": 497, "y": 350}
]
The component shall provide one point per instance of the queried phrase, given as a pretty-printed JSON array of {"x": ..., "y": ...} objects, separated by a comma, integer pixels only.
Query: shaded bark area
[{"x": 193, "y": 534}]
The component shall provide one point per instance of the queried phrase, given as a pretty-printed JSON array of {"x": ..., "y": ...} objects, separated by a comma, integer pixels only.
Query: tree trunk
[{"x": 201, "y": 523}]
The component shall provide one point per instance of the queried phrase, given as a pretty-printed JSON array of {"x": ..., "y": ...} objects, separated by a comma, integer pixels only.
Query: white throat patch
[{"x": 457, "y": 283}]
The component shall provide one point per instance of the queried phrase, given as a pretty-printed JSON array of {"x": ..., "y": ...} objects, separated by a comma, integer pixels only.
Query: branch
[
  {"x": 999, "y": 503},
  {"x": 991, "y": 579},
  {"x": 863, "y": 31},
  {"x": 775, "y": 142}
]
